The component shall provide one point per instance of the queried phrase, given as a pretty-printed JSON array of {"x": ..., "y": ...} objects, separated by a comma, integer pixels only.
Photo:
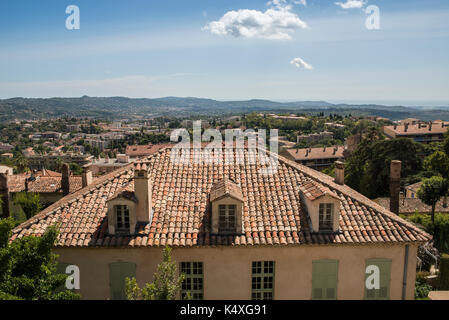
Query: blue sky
[{"x": 190, "y": 48}]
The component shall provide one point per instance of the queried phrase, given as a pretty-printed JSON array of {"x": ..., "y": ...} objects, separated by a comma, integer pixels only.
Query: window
[
  {"x": 118, "y": 272},
  {"x": 122, "y": 217},
  {"x": 325, "y": 216},
  {"x": 226, "y": 218},
  {"x": 383, "y": 293},
  {"x": 262, "y": 282},
  {"x": 324, "y": 279},
  {"x": 193, "y": 282}
]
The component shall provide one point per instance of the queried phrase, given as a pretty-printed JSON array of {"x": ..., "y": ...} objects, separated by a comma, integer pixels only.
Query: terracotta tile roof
[
  {"x": 144, "y": 150},
  {"x": 42, "y": 184},
  {"x": 414, "y": 187},
  {"x": 412, "y": 205},
  {"x": 126, "y": 192},
  {"x": 272, "y": 208},
  {"x": 416, "y": 129},
  {"x": 316, "y": 153},
  {"x": 225, "y": 187},
  {"x": 313, "y": 190}
]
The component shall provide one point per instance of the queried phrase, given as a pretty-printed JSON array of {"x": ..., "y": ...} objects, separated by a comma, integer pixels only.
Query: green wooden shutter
[
  {"x": 324, "y": 279},
  {"x": 118, "y": 272},
  {"x": 383, "y": 293}
]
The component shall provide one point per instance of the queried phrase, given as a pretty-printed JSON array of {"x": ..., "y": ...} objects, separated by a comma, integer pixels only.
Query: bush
[
  {"x": 441, "y": 233},
  {"x": 443, "y": 277},
  {"x": 422, "y": 289}
]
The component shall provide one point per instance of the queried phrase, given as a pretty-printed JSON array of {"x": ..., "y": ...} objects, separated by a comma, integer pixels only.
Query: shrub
[
  {"x": 443, "y": 277},
  {"x": 441, "y": 231}
]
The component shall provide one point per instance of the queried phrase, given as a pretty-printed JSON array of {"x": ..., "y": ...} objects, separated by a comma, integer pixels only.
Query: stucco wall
[{"x": 227, "y": 270}]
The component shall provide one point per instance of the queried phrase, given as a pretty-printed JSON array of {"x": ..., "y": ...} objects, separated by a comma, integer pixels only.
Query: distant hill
[{"x": 122, "y": 107}]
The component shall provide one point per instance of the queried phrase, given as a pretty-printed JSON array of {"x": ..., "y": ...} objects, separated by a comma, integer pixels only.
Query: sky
[{"x": 282, "y": 50}]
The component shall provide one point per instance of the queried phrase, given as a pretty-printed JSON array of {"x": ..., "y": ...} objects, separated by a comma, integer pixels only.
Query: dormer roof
[
  {"x": 126, "y": 192},
  {"x": 226, "y": 187},
  {"x": 314, "y": 191}
]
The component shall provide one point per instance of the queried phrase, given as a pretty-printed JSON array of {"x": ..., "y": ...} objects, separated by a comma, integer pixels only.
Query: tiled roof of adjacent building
[
  {"x": 413, "y": 205},
  {"x": 414, "y": 187},
  {"x": 144, "y": 150},
  {"x": 316, "y": 153},
  {"x": 417, "y": 129},
  {"x": 42, "y": 184},
  {"x": 272, "y": 208}
]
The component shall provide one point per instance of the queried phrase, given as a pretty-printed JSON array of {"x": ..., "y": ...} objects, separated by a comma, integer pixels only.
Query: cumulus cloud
[
  {"x": 299, "y": 63},
  {"x": 351, "y": 4},
  {"x": 276, "y": 23}
]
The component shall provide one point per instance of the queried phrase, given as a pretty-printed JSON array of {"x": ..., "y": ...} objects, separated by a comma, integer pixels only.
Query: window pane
[
  {"x": 262, "y": 282},
  {"x": 193, "y": 282}
]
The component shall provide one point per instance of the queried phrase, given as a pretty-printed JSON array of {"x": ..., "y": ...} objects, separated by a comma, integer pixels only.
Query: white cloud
[
  {"x": 302, "y": 2},
  {"x": 299, "y": 63},
  {"x": 351, "y": 4},
  {"x": 276, "y": 23}
]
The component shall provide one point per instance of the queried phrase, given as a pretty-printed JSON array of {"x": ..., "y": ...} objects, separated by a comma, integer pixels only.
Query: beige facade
[{"x": 227, "y": 270}]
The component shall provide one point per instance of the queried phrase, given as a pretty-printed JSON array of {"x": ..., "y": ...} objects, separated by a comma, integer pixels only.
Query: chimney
[
  {"x": 339, "y": 173},
  {"x": 406, "y": 127},
  {"x": 430, "y": 126},
  {"x": 395, "y": 126},
  {"x": 4, "y": 194},
  {"x": 419, "y": 125},
  {"x": 395, "y": 185},
  {"x": 65, "y": 181},
  {"x": 87, "y": 176},
  {"x": 142, "y": 189},
  {"x": 324, "y": 149},
  {"x": 335, "y": 150}
]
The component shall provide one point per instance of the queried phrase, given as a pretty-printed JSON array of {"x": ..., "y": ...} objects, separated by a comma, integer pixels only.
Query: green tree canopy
[
  {"x": 431, "y": 191},
  {"x": 438, "y": 162},
  {"x": 29, "y": 202},
  {"x": 368, "y": 168},
  {"x": 28, "y": 266}
]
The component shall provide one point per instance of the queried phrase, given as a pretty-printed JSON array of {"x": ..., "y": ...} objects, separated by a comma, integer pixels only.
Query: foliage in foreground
[
  {"x": 28, "y": 267},
  {"x": 166, "y": 284}
]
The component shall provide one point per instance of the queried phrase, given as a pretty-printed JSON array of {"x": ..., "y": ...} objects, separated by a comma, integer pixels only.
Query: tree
[
  {"x": 28, "y": 266},
  {"x": 438, "y": 162},
  {"x": 367, "y": 170},
  {"x": 29, "y": 202},
  {"x": 21, "y": 163},
  {"x": 166, "y": 284},
  {"x": 431, "y": 191}
]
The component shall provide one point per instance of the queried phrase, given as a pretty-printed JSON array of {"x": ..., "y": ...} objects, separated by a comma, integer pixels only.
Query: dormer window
[
  {"x": 227, "y": 218},
  {"x": 322, "y": 206},
  {"x": 325, "y": 216},
  {"x": 122, "y": 207},
  {"x": 227, "y": 207},
  {"x": 122, "y": 217}
]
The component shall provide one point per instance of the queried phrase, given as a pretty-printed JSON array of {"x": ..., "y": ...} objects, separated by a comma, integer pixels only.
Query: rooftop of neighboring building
[
  {"x": 334, "y": 152},
  {"x": 418, "y": 129}
]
